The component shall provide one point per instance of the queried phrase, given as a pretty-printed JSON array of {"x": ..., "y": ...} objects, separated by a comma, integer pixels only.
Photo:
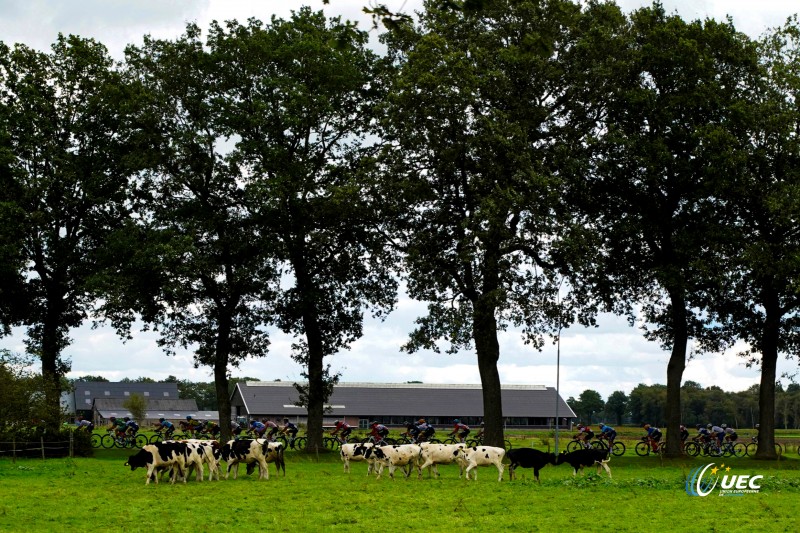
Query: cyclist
[
  {"x": 730, "y": 433},
  {"x": 585, "y": 434},
  {"x": 289, "y": 429},
  {"x": 716, "y": 432},
  {"x": 412, "y": 432},
  {"x": 166, "y": 426},
  {"x": 213, "y": 429},
  {"x": 479, "y": 434},
  {"x": 236, "y": 428},
  {"x": 192, "y": 425},
  {"x": 344, "y": 430},
  {"x": 82, "y": 423},
  {"x": 272, "y": 428},
  {"x": 258, "y": 428},
  {"x": 703, "y": 435},
  {"x": 654, "y": 435},
  {"x": 131, "y": 427},
  {"x": 378, "y": 432},
  {"x": 118, "y": 426},
  {"x": 608, "y": 433},
  {"x": 684, "y": 434},
  {"x": 426, "y": 430},
  {"x": 461, "y": 429}
]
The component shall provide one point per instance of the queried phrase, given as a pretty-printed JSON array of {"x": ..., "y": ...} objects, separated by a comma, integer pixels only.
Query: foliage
[
  {"x": 22, "y": 401},
  {"x": 64, "y": 118},
  {"x": 137, "y": 405}
]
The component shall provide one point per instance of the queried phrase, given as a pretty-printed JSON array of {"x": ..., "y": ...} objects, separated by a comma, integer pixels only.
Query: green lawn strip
[{"x": 62, "y": 494}]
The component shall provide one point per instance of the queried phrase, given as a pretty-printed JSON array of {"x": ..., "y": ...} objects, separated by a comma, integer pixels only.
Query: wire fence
[{"x": 41, "y": 448}]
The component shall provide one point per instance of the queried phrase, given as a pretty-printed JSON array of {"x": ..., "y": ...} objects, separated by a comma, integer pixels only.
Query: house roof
[
  {"x": 87, "y": 391},
  {"x": 401, "y": 399},
  {"x": 170, "y": 409}
]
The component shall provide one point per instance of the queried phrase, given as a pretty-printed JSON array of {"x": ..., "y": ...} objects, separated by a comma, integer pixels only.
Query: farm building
[
  {"x": 97, "y": 401},
  {"x": 392, "y": 404}
]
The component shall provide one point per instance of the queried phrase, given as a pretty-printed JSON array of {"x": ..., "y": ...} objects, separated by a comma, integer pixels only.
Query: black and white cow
[
  {"x": 588, "y": 457},
  {"x": 257, "y": 452},
  {"x": 529, "y": 458},
  {"x": 158, "y": 456},
  {"x": 471, "y": 458},
  {"x": 356, "y": 452}
]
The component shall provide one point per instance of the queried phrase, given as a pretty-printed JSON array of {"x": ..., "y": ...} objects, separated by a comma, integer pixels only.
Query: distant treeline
[{"x": 647, "y": 404}]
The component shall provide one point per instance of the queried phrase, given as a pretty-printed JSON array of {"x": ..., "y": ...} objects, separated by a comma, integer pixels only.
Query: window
[
  {"x": 107, "y": 393},
  {"x": 126, "y": 393},
  {"x": 166, "y": 394},
  {"x": 146, "y": 393}
]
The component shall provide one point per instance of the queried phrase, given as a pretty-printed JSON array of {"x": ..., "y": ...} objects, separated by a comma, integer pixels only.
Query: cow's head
[{"x": 140, "y": 460}]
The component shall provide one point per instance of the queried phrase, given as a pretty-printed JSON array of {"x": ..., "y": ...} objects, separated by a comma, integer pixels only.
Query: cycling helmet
[
  {"x": 699, "y": 426},
  {"x": 602, "y": 425},
  {"x": 421, "y": 421},
  {"x": 126, "y": 418},
  {"x": 758, "y": 425},
  {"x": 647, "y": 426},
  {"x": 113, "y": 418},
  {"x": 161, "y": 419},
  {"x": 581, "y": 426},
  {"x": 456, "y": 421},
  {"x": 709, "y": 426},
  {"x": 336, "y": 423},
  {"x": 188, "y": 417},
  {"x": 724, "y": 426},
  {"x": 683, "y": 427},
  {"x": 285, "y": 419},
  {"x": 373, "y": 423}
]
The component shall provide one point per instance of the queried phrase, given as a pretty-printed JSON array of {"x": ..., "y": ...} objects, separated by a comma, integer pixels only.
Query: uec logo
[{"x": 729, "y": 485}]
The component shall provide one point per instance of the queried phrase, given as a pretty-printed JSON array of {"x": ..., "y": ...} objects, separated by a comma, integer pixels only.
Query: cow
[
  {"x": 403, "y": 455},
  {"x": 161, "y": 455},
  {"x": 438, "y": 454},
  {"x": 470, "y": 458},
  {"x": 202, "y": 452},
  {"x": 588, "y": 457},
  {"x": 252, "y": 451},
  {"x": 529, "y": 458},
  {"x": 275, "y": 454},
  {"x": 356, "y": 452}
]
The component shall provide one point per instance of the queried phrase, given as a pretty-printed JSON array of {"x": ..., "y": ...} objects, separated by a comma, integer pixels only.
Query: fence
[{"x": 29, "y": 448}]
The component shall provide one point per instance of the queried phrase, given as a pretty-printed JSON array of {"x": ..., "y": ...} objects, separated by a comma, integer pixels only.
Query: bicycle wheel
[
  {"x": 330, "y": 443},
  {"x": 692, "y": 449},
  {"x": 282, "y": 440},
  {"x": 778, "y": 449},
  {"x": 471, "y": 443},
  {"x": 299, "y": 443},
  {"x": 107, "y": 441},
  {"x": 642, "y": 449},
  {"x": 96, "y": 440},
  {"x": 599, "y": 445},
  {"x": 739, "y": 449},
  {"x": 156, "y": 438},
  {"x": 713, "y": 451},
  {"x": 140, "y": 441},
  {"x": 618, "y": 449},
  {"x": 573, "y": 445}
]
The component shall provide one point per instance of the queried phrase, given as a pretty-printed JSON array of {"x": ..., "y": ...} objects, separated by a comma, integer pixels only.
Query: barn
[{"x": 392, "y": 404}]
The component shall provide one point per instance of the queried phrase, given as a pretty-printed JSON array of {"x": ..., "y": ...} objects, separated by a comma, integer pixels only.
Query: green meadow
[{"x": 645, "y": 494}]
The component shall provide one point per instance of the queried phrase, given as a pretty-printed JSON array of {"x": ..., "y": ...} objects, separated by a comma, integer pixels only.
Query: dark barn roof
[
  {"x": 388, "y": 399},
  {"x": 88, "y": 391}
]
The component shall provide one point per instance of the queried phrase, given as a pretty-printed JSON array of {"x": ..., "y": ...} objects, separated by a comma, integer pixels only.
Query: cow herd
[{"x": 180, "y": 458}]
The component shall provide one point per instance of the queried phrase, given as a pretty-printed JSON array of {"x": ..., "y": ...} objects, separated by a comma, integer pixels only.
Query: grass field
[{"x": 101, "y": 494}]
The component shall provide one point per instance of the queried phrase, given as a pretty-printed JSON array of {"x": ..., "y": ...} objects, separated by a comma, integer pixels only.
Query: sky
[{"x": 613, "y": 356}]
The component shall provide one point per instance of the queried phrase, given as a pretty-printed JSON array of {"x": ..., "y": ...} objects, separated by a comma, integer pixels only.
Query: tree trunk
[
  {"x": 50, "y": 356},
  {"x": 221, "y": 360},
  {"x": 769, "y": 362},
  {"x": 484, "y": 329},
  {"x": 675, "y": 368}
]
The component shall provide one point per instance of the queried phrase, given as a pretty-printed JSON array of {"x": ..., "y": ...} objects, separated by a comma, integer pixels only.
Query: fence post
[
  {"x": 41, "y": 441},
  {"x": 71, "y": 445},
  {"x": 14, "y": 449}
]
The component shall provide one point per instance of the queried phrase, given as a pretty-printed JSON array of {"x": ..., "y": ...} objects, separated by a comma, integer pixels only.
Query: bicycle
[
  {"x": 478, "y": 441},
  {"x": 576, "y": 444},
  {"x": 647, "y": 446},
  {"x": 122, "y": 441},
  {"x": 617, "y": 448},
  {"x": 97, "y": 440},
  {"x": 733, "y": 449},
  {"x": 752, "y": 447}
]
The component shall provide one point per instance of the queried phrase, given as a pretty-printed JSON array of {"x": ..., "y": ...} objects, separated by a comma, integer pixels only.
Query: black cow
[
  {"x": 587, "y": 457},
  {"x": 529, "y": 458},
  {"x": 161, "y": 455},
  {"x": 254, "y": 453}
]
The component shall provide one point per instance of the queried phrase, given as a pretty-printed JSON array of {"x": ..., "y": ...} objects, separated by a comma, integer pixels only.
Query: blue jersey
[{"x": 258, "y": 426}]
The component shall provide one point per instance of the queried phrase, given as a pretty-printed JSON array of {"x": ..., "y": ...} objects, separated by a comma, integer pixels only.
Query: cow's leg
[
  {"x": 500, "y": 469},
  {"x": 150, "y": 469},
  {"x": 604, "y": 465},
  {"x": 511, "y": 469},
  {"x": 263, "y": 469}
]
